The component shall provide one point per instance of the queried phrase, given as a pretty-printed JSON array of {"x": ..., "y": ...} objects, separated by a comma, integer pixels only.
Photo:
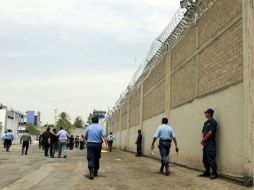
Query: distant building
[
  {"x": 10, "y": 119},
  {"x": 33, "y": 118},
  {"x": 98, "y": 113}
]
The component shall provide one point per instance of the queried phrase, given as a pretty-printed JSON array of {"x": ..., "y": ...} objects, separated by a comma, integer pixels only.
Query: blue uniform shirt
[
  {"x": 210, "y": 125},
  {"x": 165, "y": 132},
  {"x": 94, "y": 133},
  {"x": 8, "y": 136},
  {"x": 110, "y": 138}
]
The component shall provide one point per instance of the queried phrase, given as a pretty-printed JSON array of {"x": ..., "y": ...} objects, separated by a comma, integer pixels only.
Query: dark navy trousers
[
  {"x": 209, "y": 157},
  {"x": 94, "y": 155},
  {"x": 164, "y": 147}
]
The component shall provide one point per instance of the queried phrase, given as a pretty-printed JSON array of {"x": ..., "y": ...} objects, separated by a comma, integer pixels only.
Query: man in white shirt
[
  {"x": 62, "y": 142},
  {"x": 110, "y": 141}
]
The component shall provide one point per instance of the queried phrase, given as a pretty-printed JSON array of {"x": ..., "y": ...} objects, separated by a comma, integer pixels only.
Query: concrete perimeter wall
[{"x": 211, "y": 66}]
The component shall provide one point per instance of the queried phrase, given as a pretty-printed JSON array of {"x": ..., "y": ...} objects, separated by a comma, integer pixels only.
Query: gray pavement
[{"x": 119, "y": 171}]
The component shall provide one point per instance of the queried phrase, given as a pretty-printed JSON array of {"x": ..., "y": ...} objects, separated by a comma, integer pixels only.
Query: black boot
[
  {"x": 91, "y": 176},
  {"x": 167, "y": 170},
  {"x": 214, "y": 175},
  {"x": 161, "y": 169},
  {"x": 95, "y": 173},
  {"x": 205, "y": 174}
]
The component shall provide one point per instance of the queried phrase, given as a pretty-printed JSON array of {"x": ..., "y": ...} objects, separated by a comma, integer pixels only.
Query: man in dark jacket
[
  {"x": 45, "y": 140},
  {"x": 53, "y": 143},
  {"x": 139, "y": 144}
]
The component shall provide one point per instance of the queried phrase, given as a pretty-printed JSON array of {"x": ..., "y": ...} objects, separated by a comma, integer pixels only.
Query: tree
[
  {"x": 64, "y": 121},
  {"x": 49, "y": 125},
  {"x": 79, "y": 123},
  {"x": 32, "y": 129}
]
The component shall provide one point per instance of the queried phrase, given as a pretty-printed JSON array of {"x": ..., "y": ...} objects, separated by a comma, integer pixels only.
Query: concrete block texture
[{"x": 206, "y": 68}]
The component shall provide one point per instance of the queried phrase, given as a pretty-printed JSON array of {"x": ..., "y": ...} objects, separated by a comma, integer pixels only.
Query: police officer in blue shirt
[
  {"x": 8, "y": 138},
  {"x": 209, "y": 145},
  {"x": 94, "y": 135},
  {"x": 110, "y": 141},
  {"x": 166, "y": 134}
]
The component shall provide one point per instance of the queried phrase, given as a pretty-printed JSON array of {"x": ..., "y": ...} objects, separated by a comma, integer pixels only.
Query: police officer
[
  {"x": 209, "y": 145},
  {"x": 166, "y": 134},
  {"x": 8, "y": 138},
  {"x": 139, "y": 144},
  {"x": 94, "y": 135},
  {"x": 110, "y": 141}
]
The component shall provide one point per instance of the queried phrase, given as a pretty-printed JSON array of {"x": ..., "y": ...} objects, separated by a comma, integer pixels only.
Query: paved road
[{"x": 119, "y": 171}]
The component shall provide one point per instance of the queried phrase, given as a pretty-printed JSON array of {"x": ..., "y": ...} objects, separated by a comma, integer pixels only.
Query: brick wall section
[
  {"x": 159, "y": 98},
  {"x": 220, "y": 14},
  {"x": 118, "y": 122},
  {"x": 124, "y": 116},
  {"x": 229, "y": 10},
  {"x": 160, "y": 71},
  {"x": 209, "y": 23},
  {"x": 113, "y": 122},
  {"x": 148, "y": 108},
  {"x": 135, "y": 108},
  {"x": 183, "y": 83},
  {"x": 184, "y": 49},
  {"x": 148, "y": 83},
  {"x": 221, "y": 63}
]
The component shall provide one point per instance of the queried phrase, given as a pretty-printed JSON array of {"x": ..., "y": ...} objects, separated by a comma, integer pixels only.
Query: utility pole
[{"x": 55, "y": 110}]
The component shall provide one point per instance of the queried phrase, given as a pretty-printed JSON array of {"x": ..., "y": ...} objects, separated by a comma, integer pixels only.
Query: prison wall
[{"x": 204, "y": 69}]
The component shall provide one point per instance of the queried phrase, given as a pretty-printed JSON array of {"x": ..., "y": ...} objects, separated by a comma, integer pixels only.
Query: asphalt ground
[{"x": 119, "y": 171}]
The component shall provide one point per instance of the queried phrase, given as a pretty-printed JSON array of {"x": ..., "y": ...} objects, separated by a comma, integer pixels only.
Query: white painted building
[{"x": 10, "y": 119}]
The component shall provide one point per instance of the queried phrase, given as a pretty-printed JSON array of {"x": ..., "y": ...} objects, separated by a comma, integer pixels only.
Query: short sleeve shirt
[
  {"x": 165, "y": 132},
  {"x": 94, "y": 133},
  {"x": 210, "y": 125},
  {"x": 8, "y": 136}
]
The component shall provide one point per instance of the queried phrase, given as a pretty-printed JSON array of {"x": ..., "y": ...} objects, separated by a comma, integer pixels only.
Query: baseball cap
[{"x": 209, "y": 110}]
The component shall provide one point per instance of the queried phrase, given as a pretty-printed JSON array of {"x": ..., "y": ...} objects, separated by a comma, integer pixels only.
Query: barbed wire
[{"x": 173, "y": 32}]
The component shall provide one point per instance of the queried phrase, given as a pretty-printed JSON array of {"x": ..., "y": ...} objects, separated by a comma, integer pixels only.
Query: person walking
[
  {"x": 53, "y": 143},
  {"x": 94, "y": 136},
  {"x": 76, "y": 141},
  {"x": 8, "y": 138},
  {"x": 166, "y": 134},
  {"x": 139, "y": 144},
  {"x": 62, "y": 142},
  {"x": 208, "y": 141},
  {"x": 45, "y": 138},
  {"x": 71, "y": 141},
  {"x": 3, "y": 138},
  {"x": 25, "y": 140},
  {"x": 82, "y": 142},
  {"x": 110, "y": 141}
]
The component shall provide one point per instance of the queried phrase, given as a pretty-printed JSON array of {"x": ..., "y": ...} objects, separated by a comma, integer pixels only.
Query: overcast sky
[{"x": 74, "y": 55}]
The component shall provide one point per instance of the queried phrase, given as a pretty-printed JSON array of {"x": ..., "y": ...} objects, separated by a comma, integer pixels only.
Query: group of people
[
  {"x": 53, "y": 141},
  {"x": 166, "y": 135},
  {"x": 95, "y": 134}
]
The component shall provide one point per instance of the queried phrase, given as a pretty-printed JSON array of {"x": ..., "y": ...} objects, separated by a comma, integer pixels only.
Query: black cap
[{"x": 209, "y": 110}]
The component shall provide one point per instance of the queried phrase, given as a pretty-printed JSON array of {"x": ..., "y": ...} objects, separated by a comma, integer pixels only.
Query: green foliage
[
  {"x": 64, "y": 121},
  {"x": 32, "y": 129},
  {"x": 79, "y": 123},
  {"x": 49, "y": 125}
]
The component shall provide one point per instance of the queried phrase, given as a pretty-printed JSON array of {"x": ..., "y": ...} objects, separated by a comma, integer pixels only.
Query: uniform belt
[
  {"x": 166, "y": 140},
  {"x": 94, "y": 142}
]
